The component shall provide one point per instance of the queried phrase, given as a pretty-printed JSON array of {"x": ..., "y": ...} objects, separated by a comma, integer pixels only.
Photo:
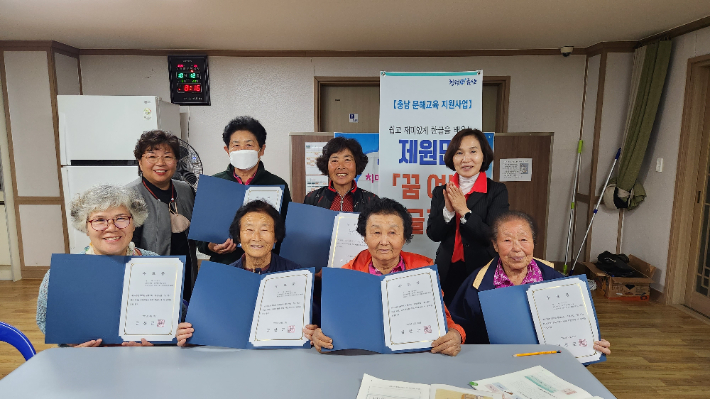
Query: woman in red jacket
[{"x": 386, "y": 226}]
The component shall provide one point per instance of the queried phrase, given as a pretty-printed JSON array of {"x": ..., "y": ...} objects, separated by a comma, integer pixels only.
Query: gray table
[{"x": 203, "y": 372}]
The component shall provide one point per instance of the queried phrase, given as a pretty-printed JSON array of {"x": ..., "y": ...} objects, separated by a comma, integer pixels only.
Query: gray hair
[
  {"x": 508, "y": 216},
  {"x": 99, "y": 198}
]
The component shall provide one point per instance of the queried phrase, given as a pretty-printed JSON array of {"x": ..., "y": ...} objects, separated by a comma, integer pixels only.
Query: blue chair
[{"x": 16, "y": 338}]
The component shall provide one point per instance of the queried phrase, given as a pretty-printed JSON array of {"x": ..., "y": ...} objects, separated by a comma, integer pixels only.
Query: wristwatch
[{"x": 463, "y": 219}]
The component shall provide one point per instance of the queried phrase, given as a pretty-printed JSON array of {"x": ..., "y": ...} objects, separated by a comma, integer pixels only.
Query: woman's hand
[
  {"x": 142, "y": 343},
  {"x": 603, "y": 347},
  {"x": 184, "y": 332},
  {"x": 309, "y": 330},
  {"x": 320, "y": 340},
  {"x": 449, "y": 344},
  {"x": 224, "y": 248},
  {"x": 88, "y": 344},
  {"x": 457, "y": 199},
  {"x": 447, "y": 201}
]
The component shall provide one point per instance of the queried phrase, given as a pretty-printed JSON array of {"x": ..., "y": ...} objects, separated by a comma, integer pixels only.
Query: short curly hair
[
  {"x": 244, "y": 123},
  {"x": 261, "y": 207},
  {"x": 455, "y": 144},
  {"x": 102, "y": 197},
  {"x": 386, "y": 206},
  {"x": 337, "y": 144}
]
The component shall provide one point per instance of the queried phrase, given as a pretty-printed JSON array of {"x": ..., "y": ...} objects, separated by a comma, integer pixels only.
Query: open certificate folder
[
  {"x": 346, "y": 243},
  {"x": 523, "y": 314},
  {"x": 115, "y": 298},
  {"x": 236, "y": 308},
  {"x": 562, "y": 313},
  {"x": 399, "y": 312},
  {"x": 217, "y": 201}
]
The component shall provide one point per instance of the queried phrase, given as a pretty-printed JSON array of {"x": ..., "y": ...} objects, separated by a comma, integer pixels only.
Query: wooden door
[
  {"x": 339, "y": 102},
  {"x": 530, "y": 197},
  {"x": 697, "y": 295}
]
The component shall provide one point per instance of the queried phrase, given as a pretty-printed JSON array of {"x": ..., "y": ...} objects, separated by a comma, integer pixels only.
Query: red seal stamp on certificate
[
  {"x": 427, "y": 329},
  {"x": 161, "y": 323},
  {"x": 291, "y": 329},
  {"x": 583, "y": 343}
]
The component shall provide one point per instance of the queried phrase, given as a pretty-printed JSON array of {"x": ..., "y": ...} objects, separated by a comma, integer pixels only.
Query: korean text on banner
[{"x": 419, "y": 115}]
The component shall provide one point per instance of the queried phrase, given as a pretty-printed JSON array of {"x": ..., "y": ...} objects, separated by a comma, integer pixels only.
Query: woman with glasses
[
  {"x": 169, "y": 202},
  {"x": 108, "y": 215}
]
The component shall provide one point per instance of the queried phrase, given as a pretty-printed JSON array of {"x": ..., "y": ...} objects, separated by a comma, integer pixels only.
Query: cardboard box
[{"x": 624, "y": 288}]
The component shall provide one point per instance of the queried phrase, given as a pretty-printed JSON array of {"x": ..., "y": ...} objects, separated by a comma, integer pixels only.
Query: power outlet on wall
[{"x": 659, "y": 165}]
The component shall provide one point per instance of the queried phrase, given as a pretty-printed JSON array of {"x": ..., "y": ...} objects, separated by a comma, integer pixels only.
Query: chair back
[{"x": 16, "y": 338}]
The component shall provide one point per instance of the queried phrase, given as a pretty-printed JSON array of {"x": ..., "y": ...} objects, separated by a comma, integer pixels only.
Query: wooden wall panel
[{"x": 529, "y": 197}]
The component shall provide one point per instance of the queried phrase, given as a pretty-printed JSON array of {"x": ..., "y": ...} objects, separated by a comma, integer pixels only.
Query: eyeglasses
[
  {"x": 152, "y": 159},
  {"x": 101, "y": 224}
]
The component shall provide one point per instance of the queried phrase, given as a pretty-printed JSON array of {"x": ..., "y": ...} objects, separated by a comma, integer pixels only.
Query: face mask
[{"x": 244, "y": 159}]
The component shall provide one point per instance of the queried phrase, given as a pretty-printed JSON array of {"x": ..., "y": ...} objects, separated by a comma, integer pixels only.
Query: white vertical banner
[{"x": 420, "y": 112}]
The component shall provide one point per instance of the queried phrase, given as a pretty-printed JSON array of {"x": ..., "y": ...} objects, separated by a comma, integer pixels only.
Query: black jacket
[
  {"x": 324, "y": 197},
  {"x": 262, "y": 177},
  {"x": 475, "y": 233}
]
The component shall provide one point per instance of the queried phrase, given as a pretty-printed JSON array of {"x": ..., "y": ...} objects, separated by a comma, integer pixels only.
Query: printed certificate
[
  {"x": 412, "y": 309},
  {"x": 346, "y": 242},
  {"x": 270, "y": 195},
  {"x": 562, "y": 314},
  {"x": 150, "y": 305},
  {"x": 283, "y": 308}
]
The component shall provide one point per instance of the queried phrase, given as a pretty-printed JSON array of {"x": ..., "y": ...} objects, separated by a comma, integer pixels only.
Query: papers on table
[
  {"x": 411, "y": 306},
  {"x": 533, "y": 383},
  {"x": 510, "y": 314},
  {"x": 345, "y": 242},
  {"x": 375, "y": 388},
  {"x": 236, "y": 308},
  {"x": 85, "y": 298},
  {"x": 563, "y": 316},
  {"x": 283, "y": 308},
  {"x": 354, "y": 307},
  {"x": 217, "y": 201},
  {"x": 150, "y": 305}
]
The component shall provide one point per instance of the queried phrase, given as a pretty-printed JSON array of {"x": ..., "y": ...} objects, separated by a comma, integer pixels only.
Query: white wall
[
  {"x": 545, "y": 96},
  {"x": 647, "y": 229}
]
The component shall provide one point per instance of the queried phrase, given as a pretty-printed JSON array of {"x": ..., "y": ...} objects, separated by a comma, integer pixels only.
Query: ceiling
[{"x": 341, "y": 25}]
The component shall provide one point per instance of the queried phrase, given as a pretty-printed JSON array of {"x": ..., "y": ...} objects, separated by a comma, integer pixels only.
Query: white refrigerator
[{"x": 97, "y": 135}]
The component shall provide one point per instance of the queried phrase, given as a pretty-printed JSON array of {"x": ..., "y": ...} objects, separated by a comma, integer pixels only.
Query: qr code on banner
[
  {"x": 427, "y": 329},
  {"x": 161, "y": 323}
]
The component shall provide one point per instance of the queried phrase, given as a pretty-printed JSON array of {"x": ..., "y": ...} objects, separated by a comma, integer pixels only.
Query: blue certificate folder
[
  {"x": 506, "y": 312},
  {"x": 84, "y": 298},
  {"x": 308, "y": 232},
  {"x": 351, "y": 310},
  {"x": 216, "y": 202},
  {"x": 222, "y": 306}
]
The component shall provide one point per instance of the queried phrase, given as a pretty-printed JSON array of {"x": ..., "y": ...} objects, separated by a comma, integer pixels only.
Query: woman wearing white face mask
[{"x": 245, "y": 141}]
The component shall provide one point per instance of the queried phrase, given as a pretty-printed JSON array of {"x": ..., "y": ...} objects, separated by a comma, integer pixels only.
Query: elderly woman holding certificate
[
  {"x": 386, "y": 226},
  {"x": 258, "y": 227},
  {"x": 513, "y": 237},
  {"x": 108, "y": 215}
]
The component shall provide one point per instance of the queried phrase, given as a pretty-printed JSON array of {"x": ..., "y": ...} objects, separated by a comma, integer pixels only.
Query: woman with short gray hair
[{"x": 108, "y": 215}]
